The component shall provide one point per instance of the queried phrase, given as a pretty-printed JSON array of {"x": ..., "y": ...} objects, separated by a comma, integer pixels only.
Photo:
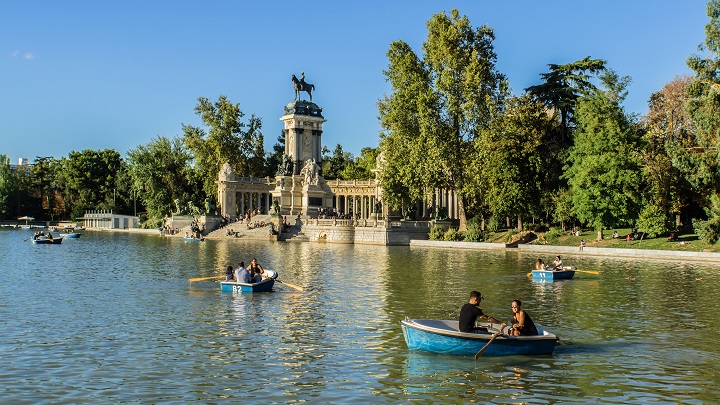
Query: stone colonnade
[
  {"x": 442, "y": 198},
  {"x": 237, "y": 195},
  {"x": 358, "y": 197}
]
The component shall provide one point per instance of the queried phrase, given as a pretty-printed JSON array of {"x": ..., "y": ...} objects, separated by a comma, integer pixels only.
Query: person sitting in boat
[
  {"x": 557, "y": 263},
  {"x": 49, "y": 236},
  {"x": 469, "y": 313},
  {"x": 242, "y": 275},
  {"x": 229, "y": 274},
  {"x": 256, "y": 270},
  {"x": 539, "y": 265},
  {"x": 522, "y": 325}
]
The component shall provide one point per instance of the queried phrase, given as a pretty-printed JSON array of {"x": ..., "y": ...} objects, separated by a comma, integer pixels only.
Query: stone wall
[{"x": 366, "y": 232}]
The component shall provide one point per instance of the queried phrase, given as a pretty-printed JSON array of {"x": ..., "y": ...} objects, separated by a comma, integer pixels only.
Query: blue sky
[{"x": 80, "y": 75}]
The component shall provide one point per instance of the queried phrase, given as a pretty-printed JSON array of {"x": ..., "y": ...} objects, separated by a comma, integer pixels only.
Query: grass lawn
[{"x": 688, "y": 242}]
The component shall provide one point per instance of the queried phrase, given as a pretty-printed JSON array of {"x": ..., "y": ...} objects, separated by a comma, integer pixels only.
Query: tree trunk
[
  {"x": 519, "y": 225},
  {"x": 461, "y": 213},
  {"x": 507, "y": 222},
  {"x": 482, "y": 224},
  {"x": 600, "y": 235}
]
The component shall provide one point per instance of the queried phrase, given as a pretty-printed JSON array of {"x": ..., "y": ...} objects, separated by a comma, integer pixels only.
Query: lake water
[{"x": 112, "y": 318}]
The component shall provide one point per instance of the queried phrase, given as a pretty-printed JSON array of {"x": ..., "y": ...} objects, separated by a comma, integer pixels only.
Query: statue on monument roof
[{"x": 301, "y": 85}]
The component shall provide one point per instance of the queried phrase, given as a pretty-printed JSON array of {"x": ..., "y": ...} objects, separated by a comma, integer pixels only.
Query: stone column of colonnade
[
  {"x": 360, "y": 205},
  {"x": 259, "y": 199}
]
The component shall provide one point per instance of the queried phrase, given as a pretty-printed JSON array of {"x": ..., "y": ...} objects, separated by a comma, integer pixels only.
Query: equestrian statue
[{"x": 300, "y": 86}]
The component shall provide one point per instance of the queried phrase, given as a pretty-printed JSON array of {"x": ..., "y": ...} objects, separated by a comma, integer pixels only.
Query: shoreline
[
  {"x": 646, "y": 254},
  {"x": 665, "y": 255}
]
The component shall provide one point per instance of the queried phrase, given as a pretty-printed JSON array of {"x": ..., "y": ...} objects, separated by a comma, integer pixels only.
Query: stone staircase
[{"x": 241, "y": 229}]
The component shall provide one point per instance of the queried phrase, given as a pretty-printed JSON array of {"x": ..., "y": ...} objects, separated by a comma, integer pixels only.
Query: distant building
[
  {"x": 23, "y": 164},
  {"x": 106, "y": 219}
]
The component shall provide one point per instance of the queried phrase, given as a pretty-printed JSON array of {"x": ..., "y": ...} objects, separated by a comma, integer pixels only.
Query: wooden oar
[
  {"x": 480, "y": 353},
  {"x": 297, "y": 287},
  {"x": 586, "y": 271},
  {"x": 204, "y": 278}
]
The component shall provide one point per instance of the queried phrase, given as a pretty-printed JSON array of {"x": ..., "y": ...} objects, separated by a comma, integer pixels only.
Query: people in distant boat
[
  {"x": 540, "y": 265},
  {"x": 229, "y": 274},
  {"x": 256, "y": 270},
  {"x": 557, "y": 263},
  {"x": 522, "y": 325},
  {"x": 470, "y": 312},
  {"x": 242, "y": 275}
]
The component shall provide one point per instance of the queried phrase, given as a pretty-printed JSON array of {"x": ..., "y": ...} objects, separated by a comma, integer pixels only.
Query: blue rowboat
[
  {"x": 265, "y": 285},
  {"x": 71, "y": 235},
  {"x": 443, "y": 336},
  {"x": 566, "y": 273},
  {"x": 46, "y": 241},
  {"x": 191, "y": 239}
]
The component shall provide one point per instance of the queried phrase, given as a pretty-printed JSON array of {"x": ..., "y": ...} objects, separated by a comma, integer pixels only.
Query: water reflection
[{"x": 128, "y": 327}]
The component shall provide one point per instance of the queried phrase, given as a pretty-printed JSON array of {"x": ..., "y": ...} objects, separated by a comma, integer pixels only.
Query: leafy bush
[
  {"x": 436, "y": 233},
  {"x": 509, "y": 236},
  {"x": 474, "y": 235},
  {"x": 452, "y": 234},
  {"x": 707, "y": 231},
  {"x": 493, "y": 224},
  {"x": 474, "y": 232},
  {"x": 652, "y": 221},
  {"x": 553, "y": 234}
]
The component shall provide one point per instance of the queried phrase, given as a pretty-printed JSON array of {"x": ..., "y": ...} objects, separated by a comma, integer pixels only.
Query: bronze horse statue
[{"x": 300, "y": 85}]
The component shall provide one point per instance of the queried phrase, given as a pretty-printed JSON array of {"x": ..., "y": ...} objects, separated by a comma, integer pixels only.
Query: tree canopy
[{"x": 438, "y": 106}]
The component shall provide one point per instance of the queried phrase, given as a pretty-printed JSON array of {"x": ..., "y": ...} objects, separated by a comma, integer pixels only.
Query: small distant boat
[
  {"x": 265, "y": 285},
  {"x": 191, "y": 239},
  {"x": 72, "y": 235},
  {"x": 565, "y": 273},
  {"x": 444, "y": 337},
  {"x": 79, "y": 228},
  {"x": 46, "y": 241}
]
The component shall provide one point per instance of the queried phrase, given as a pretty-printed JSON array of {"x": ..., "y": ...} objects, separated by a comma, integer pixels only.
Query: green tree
[
  {"x": 161, "y": 174},
  {"x": 44, "y": 173},
  {"x": 704, "y": 105},
  {"x": 9, "y": 189},
  {"x": 669, "y": 135},
  {"x": 562, "y": 87},
  {"x": 362, "y": 167},
  {"x": 603, "y": 168},
  {"x": 513, "y": 159},
  {"x": 227, "y": 140},
  {"x": 90, "y": 180},
  {"x": 438, "y": 106},
  {"x": 333, "y": 165},
  {"x": 275, "y": 158}
]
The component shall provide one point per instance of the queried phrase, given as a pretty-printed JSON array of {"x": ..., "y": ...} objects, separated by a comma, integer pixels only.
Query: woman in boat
[
  {"x": 229, "y": 274},
  {"x": 557, "y": 263},
  {"x": 522, "y": 325},
  {"x": 256, "y": 271},
  {"x": 539, "y": 265}
]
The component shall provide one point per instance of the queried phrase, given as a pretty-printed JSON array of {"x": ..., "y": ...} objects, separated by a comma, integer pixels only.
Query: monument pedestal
[{"x": 295, "y": 196}]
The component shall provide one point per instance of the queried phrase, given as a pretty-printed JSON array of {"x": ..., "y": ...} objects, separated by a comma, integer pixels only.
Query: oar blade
[
  {"x": 192, "y": 280},
  {"x": 297, "y": 287}
]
